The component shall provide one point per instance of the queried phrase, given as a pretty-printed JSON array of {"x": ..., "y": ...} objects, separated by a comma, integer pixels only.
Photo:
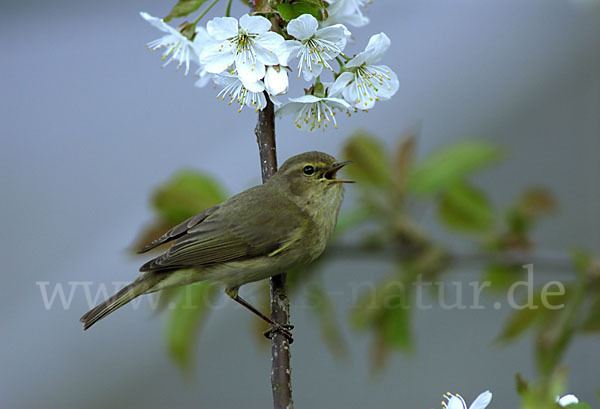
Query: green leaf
[
  {"x": 502, "y": 276},
  {"x": 542, "y": 394},
  {"x": 183, "y": 8},
  {"x": 370, "y": 163},
  {"x": 557, "y": 328},
  {"x": 387, "y": 311},
  {"x": 591, "y": 322},
  {"x": 580, "y": 405},
  {"x": 521, "y": 383},
  {"x": 536, "y": 202},
  {"x": 452, "y": 164},
  {"x": 189, "y": 313},
  {"x": 551, "y": 344},
  {"x": 189, "y": 192},
  {"x": 325, "y": 312},
  {"x": 582, "y": 261},
  {"x": 519, "y": 322},
  {"x": 291, "y": 11},
  {"x": 464, "y": 207},
  {"x": 351, "y": 219},
  {"x": 396, "y": 328},
  {"x": 403, "y": 161}
]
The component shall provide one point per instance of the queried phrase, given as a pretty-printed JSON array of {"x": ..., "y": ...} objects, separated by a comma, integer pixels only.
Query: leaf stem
[
  {"x": 228, "y": 9},
  {"x": 210, "y": 6}
]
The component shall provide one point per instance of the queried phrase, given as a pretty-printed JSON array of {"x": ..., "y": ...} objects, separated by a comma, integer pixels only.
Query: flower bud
[{"x": 276, "y": 80}]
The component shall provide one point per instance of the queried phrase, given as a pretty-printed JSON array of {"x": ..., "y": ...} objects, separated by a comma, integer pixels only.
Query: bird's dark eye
[{"x": 309, "y": 170}]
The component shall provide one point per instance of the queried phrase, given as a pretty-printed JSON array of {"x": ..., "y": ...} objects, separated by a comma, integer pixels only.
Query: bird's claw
[{"x": 284, "y": 329}]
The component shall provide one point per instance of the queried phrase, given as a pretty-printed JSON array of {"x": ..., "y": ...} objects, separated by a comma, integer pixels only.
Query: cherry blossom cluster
[{"x": 251, "y": 59}]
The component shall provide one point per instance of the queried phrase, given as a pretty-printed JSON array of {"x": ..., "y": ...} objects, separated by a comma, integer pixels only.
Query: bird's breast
[{"x": 324, "y": 214}]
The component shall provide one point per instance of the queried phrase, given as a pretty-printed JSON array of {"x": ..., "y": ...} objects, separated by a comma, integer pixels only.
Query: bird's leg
[{"x": 285, "y": 329}]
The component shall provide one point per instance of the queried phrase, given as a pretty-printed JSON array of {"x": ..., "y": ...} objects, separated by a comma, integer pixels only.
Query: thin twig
[
  {"x": 280, "y": 306},
  {"x": 542, "y": 258},
  {"x": 281, "y": 372}
]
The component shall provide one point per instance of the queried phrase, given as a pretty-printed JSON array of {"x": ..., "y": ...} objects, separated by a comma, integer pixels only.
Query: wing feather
[
  {"x": 240, "y": 228},
  {"x": 179, "y": 230}
]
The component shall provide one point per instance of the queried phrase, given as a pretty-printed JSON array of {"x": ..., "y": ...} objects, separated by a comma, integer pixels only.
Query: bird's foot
[{"x": 284, "y": 329}]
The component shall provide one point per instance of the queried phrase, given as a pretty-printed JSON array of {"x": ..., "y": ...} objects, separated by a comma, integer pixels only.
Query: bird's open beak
[{"x": 330, "y": 174}]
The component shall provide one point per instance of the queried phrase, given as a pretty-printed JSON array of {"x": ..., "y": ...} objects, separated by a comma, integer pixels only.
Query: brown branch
[
  {"x": 280, "y": 306},
  {"x": 281, "y": 383}
]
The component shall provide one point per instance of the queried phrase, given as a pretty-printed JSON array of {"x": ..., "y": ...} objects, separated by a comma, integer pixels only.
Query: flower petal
[
  {"x": 306, "y": 99},
  {"x": 311, "y": 73},
  {"x": 255, "y": 24},
  {"x": 217, "y": 57},
  {"x": 248, "y": 69},
  {"x": 256, "y": 86},
  {"x": 267, "y": 46},
  {"x": 222, "y": 28},
  {"x": 346, "y": 12},
  {"x": 276, "y": 81},
  {"x": 481, "y": 401},
  {"x": 377, "y": 46},
  {"x": 270, "y": 40},
  {"x": 338, "y": 103},
  {"x": 340, "y": 84},
  {"x": 275, "y": 100},
  {"x": 201, "y": 40},
  {"x": 157, "y": 22},
  {"x": 286, "y": 50},
  {"x": 202, "y": 81},
  {"x": 456, "y": 402},
  {"x": 356, "y": 20},
  {"x": 389, "y": 83},
  {"x": 567, "y": 400},
  {"x": 290, "y": 108},
  {"x": 351, "y": 95},
  {"x": 337, "y": 34},
  {"x": 266, "y": 57},
  {"x": 303, "y": 27}
]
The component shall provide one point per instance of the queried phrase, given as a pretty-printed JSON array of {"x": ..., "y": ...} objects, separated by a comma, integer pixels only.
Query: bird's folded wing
[
  {"x": 179, "y": 230},
  {"x": 233, "y": 235}
]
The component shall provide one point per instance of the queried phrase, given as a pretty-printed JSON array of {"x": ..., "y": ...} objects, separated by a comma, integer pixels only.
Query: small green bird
[{"x": 253, "y": 235}]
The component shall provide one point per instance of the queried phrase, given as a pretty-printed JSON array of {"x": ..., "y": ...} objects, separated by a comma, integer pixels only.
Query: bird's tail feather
[{"x": 140, "y": 286}]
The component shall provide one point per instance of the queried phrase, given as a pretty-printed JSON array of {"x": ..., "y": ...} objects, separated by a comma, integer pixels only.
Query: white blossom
[
  {"x": 455, "y": 401},
  {"x": 201, "y": 40},
  {"x": 567, "y": 400},
  {"x": 315, "y": 46},
  {"x": 276, "y": 81},
  {"x": 247, "y": 47},
  {"x": 177, "y": 46},
  {"x": 312, "y": 112},
  {"x": 347, "y": 12},
  {"x": 365, "y": 83},
  {"x": 204, "y": 77},
  {"x": 249, "y": 94}
]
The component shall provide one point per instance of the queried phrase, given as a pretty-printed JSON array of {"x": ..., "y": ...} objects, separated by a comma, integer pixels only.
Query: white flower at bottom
[
  {"x": 566, "y": 400},
  {"x": 455, "y": 401},
  {"x": 311, "y": 111},
  {"x": 248, "y": 94},
  {"x": 366, "y": 83},
  {"x": 177, "y": 46},
  {"x": 276, "y": 81}
]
